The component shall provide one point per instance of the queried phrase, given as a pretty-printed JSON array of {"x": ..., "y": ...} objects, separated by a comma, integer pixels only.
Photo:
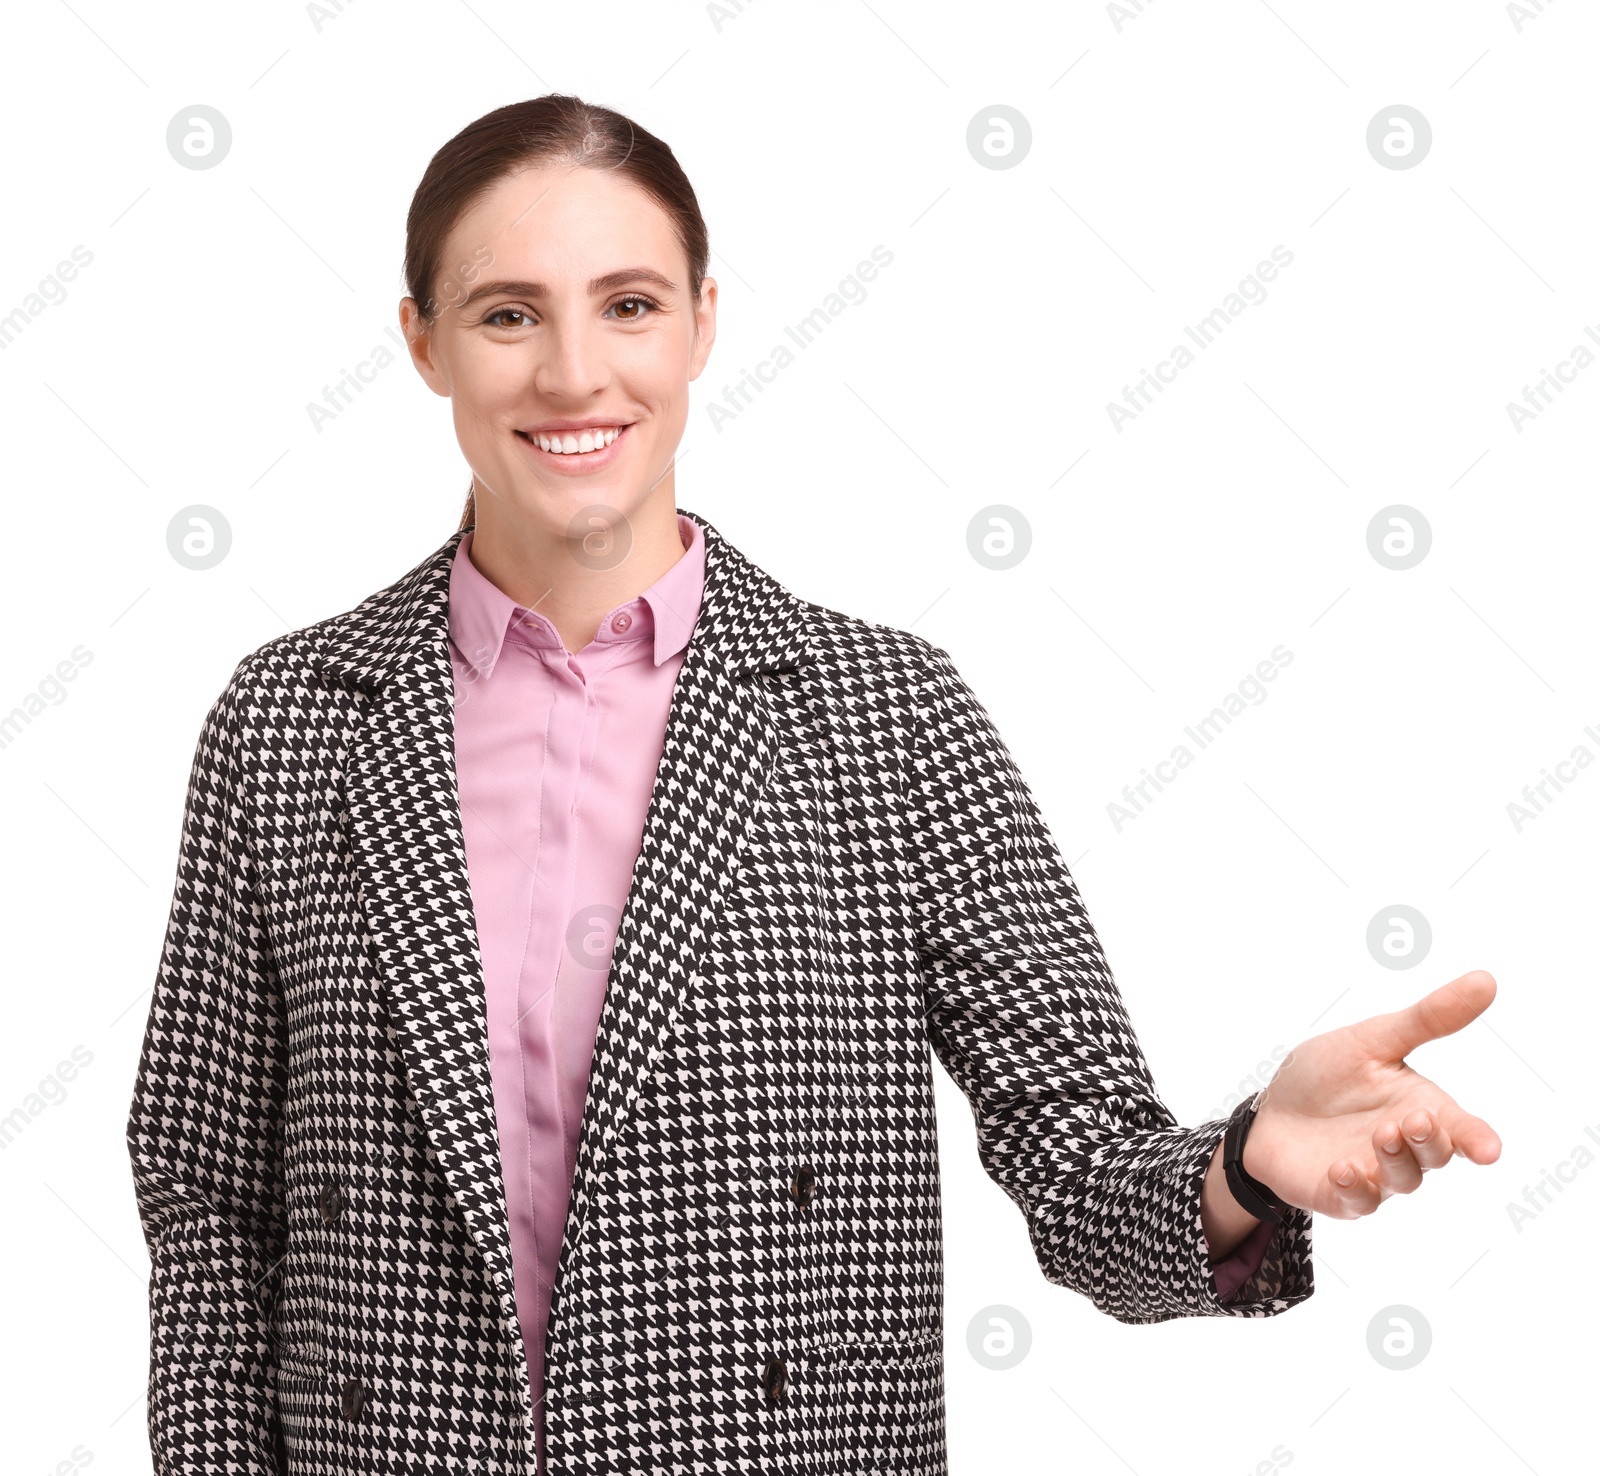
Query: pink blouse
[{"x": 556, "y": 756}]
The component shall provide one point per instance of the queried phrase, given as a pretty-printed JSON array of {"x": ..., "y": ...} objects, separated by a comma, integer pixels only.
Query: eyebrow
[{"x": 608, "y": 283}]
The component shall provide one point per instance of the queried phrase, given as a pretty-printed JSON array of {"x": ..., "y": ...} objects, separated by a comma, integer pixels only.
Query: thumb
[{"x": 1446, "y": 1010}]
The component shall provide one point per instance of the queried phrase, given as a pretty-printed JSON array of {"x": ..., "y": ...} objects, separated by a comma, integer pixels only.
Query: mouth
[{"x": 577, "y": 450}]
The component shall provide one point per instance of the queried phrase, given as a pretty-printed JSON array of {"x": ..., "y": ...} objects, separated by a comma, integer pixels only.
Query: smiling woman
[
  {"x": 598, "y": 303},
  {"x": 538, "y": 1075}
]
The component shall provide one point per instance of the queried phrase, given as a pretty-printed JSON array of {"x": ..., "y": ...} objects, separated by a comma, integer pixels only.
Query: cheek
[
  {"x": 468, "y": 422},
  {"x": 659, "y": 374},
  {"x": 484, "y": 390}
]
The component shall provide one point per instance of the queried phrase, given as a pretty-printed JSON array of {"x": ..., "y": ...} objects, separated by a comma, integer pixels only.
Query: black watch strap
[{"x": 1251, "y": 1193}]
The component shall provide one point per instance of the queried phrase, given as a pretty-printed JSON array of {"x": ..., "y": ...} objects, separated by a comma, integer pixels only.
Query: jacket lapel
[
  {"x": 405, "y": 828},
  {"x": 722, "y": 736},
  {"x": 411, "y": 875}
]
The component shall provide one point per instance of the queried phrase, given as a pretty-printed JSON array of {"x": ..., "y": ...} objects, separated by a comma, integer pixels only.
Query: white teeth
[{"x": 572, "y": 443}]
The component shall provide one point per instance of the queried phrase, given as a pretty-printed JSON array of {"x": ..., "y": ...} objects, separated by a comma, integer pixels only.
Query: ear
[
  {"x": 419, "y": 342},
  {"x": 705, "y": 326}
]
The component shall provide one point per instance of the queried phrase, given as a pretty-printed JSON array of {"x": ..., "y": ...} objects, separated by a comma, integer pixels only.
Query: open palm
[{"x": 1345, "y": 1105}]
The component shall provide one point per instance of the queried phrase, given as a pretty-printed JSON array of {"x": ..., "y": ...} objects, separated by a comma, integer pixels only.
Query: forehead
[{"x": 558, "y": 223}]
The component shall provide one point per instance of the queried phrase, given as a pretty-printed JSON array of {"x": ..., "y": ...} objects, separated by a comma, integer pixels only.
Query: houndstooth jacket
[{"x": 841, "y": 868}]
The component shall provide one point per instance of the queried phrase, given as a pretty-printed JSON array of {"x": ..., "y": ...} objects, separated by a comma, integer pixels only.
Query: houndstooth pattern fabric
[{"x": 842, "y": 876}]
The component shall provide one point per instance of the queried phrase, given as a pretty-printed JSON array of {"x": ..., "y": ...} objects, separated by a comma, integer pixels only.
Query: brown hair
[{"x": 556, "y": 127}]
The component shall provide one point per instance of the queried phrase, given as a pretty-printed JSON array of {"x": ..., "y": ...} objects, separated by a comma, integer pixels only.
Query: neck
[{"x": 576, "y": 576}]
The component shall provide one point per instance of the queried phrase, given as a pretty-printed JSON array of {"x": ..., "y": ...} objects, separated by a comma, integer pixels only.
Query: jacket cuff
[
  {"x": 1234, "y": 1270},
  {"x": 1129, "y": 1233},
  {"x": 1282, "y": 1277}
]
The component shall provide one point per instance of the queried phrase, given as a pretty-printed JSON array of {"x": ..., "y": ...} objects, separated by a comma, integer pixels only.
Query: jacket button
[
  {"x": 352, "y": 1399},
  {"x": 775, "y": 1379},
  {"x": 330, "y": 1201},
  {"x": 804, "y": 1185}
]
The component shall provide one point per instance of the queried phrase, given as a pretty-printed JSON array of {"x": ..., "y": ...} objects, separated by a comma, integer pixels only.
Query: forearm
[{"x": 1225, "y": 1221}]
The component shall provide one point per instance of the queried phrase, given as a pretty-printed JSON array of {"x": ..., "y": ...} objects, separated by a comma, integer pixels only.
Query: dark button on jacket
[
  {"x": 775, "y": 1379},
  {"x": 352, "y": 1399},
  {"x": 804, "y": 1185},
  {"x": 331, "y": 1201}
]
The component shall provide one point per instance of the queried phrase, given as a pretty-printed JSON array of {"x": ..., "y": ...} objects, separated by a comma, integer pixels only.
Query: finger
[
  {"x": 1358, "y": 1197},
  {"x": 1446, "y": 1010},
  {"x": 1431, "y": 1145},
  {"x": 1398, "y": 1169},
  {"x": 1471, "y": 1136}
]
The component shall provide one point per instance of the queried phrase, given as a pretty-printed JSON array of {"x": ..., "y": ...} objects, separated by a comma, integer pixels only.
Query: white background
[{"x": 1169, "y": 155}]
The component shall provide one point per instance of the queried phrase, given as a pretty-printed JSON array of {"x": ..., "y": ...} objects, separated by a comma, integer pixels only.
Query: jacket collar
[
  {"x": 745, "y": 694},
  {"x": 482, "y": 615},
  {"x": 748, "y": 621}
]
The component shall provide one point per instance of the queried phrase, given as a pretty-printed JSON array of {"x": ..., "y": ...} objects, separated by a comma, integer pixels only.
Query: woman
[{"x": 538, "y": 1070}]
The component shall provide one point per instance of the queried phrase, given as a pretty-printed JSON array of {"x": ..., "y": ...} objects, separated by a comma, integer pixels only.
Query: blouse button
[{"x": 622, "y": 622}]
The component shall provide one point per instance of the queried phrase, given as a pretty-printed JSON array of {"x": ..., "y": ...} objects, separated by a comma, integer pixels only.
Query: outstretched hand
[{"x": 1345, "y": 1122}]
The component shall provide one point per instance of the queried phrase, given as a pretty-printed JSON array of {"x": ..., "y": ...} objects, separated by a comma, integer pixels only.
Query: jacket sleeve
[
  {"x": 204, "y": 1137},
  {"x": 1023, "y": 1013}
]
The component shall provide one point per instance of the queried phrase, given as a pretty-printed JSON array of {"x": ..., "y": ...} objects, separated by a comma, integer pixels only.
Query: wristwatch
[{"x": 1252, "y": 1194}]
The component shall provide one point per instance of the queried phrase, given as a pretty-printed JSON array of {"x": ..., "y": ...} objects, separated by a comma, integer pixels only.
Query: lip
[
  {"x": 573, "y": 425},
  {"x": 579, "y": 463}
]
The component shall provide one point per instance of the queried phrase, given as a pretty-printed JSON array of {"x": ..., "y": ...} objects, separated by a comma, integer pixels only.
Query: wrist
[
  {"x": 1226, "y": 1222},
  {"x": 1251, "y": 1192},
  {"x": 1251, "y": 1159}
]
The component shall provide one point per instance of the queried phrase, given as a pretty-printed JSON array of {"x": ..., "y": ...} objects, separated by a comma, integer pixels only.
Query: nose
[{"x": 571, "y": 363}]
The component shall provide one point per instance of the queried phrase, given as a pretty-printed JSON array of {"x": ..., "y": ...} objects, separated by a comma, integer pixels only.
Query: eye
[
  {"x": 645, "y": 305},
  {"x": 498, "y": 312}
]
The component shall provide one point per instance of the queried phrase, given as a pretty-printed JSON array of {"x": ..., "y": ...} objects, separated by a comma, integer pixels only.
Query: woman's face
[{"x": 565, "y": 321}]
